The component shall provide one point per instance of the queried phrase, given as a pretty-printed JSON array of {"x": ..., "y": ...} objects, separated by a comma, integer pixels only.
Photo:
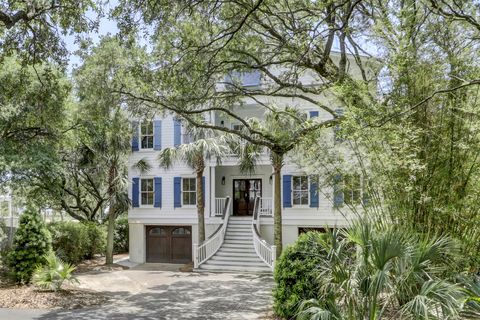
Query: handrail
[
  {"x": 219, "y": 206},
  {"x": 266, "y": 207},
  {"x": 209, "y": 247},
  {"x": 266, "y": 252}
]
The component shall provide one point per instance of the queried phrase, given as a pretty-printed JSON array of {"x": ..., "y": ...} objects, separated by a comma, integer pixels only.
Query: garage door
[{"x": 169, "y": 244}]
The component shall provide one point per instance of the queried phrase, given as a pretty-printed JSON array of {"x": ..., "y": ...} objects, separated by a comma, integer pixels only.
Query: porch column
[{"x": 212, "y": 191}]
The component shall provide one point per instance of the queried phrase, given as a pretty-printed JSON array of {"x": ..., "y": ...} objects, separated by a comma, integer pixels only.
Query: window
[
  {"x": 189, "y": 191},
  {"x": 300, "y": 190},
  {"x": 238, "y": 127},
  {"x": 146, "y": 191},
  {"x": 354, "y": 189},
  {"x": 181, "y": 231},
  {"x": 146, "y": 135}
]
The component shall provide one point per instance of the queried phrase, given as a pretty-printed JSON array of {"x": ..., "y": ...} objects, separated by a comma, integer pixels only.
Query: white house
[{"x": 163, "y": 219}]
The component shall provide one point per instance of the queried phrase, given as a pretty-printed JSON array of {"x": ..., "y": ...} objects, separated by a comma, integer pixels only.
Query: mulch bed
[{"x": 31, "y": 297}]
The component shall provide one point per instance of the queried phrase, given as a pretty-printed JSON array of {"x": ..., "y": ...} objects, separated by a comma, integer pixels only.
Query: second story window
[
  {"x": 189, "y": 191},
  {"x": 146, "y": 135},
  {"x": 300, "y": 190},
  {"x": 146, "y": 192},
  {"x": 353, "y": 190}
]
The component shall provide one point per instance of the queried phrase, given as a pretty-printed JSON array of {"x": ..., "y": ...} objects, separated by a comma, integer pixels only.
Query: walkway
[{"x": 145, "y": 294}]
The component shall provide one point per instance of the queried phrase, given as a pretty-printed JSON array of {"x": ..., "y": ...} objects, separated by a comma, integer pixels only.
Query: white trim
[
  {"x": 188, "y": 206},
  {"x": 301, "y": 206},
  {"x": 140, "y": 192}
]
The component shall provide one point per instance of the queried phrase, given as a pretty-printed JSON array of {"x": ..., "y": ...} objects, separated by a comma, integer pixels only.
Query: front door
[{"x": 244, "y": 193}]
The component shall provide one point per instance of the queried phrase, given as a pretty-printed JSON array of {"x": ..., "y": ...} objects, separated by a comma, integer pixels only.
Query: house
[{"x": 238, "y": 206}]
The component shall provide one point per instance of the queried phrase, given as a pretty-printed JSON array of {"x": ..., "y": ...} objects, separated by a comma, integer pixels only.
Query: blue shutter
[
  {"x": 134, "y": 135},
  {"x": 135, "y": 192},
  {"x": 313, "y": 193},
  {"x": 177, "y": 192},
  {"x": 313, "y": 114},
  {"x": 203, "y": 188},
  {"x": 287, "y": 191},
  {"x": 177, "y": 132},
  {"x": 337, "y": 191},
  {"x": 157, "y": 135},
  {"x": 157, "y": 203}
]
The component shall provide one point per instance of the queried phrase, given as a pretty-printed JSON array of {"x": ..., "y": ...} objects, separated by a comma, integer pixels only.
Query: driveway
[{"x": 143, "y": 294}]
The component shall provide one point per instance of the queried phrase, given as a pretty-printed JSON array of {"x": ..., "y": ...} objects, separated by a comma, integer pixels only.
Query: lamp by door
[
  {"x": 270, "y": 179},
  {"x": 223, "y": 180}
]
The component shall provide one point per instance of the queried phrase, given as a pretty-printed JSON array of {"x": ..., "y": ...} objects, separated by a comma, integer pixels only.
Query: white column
[{"x": 212, "y": 191}]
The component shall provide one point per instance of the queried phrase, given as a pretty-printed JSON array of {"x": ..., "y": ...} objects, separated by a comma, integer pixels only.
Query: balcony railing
[
  {"x": 266, "y": 207},
  {"x": 219, "y": 206}
]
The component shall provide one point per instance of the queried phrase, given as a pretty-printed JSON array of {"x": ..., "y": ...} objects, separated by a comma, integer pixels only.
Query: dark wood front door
[
  {"x": 244, "y": 193},
  {"x": 171, "y": 244}
]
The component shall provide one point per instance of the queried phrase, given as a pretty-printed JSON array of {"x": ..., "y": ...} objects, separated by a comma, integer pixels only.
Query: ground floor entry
[
  {"x": 170, "y": 244},
  {"x": 244, "y": 193}
]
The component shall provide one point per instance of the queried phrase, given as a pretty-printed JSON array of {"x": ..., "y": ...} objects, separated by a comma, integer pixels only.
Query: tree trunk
[
  {"x": 277, "y": 210},
  {"x": 200, "y": 207},
  {"x": 110, "y": 230}
]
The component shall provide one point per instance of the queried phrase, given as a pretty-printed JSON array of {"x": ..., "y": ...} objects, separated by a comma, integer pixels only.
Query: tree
[
  {"x": 207, "y": 48},
  {"x": 34, "y": 29},
  {"x": 205, "y": 145},
  {"x": 31, "y": 243},
  {"x": 106, "y": 133}
]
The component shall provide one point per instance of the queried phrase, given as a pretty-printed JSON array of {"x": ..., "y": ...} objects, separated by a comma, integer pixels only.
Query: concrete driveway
[{"x": 143, "y": 294}]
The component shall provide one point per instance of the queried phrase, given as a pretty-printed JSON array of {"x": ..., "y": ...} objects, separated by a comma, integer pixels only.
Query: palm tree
[
  {"x": 278, "y": 124},
  {"x": 205, "y": 145},
  {"x": 379, "y": 270}
]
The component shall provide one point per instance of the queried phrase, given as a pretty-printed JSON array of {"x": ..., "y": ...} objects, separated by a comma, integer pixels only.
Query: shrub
[
  {"x": 380, "y": 270},
  {"x": 30, "y": 244},
  {"x": 97, "y": 239},
  {"x": 75, "y": 241},
  {"x": 120, "y": 236},
  {"x": 295, "y": 274},
  {"x": 53, "y": 274},
  {"x": 69, "y": 240}
]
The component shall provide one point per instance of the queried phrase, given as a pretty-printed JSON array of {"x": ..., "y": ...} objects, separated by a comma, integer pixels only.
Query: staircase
[{"x": 237, "y": 252}]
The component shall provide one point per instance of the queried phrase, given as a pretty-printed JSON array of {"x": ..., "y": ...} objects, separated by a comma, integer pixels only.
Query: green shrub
[
  {"x": 97, "y": 239},
  {"x": 120, "y": 236},
  {"x": 75, "y": 241},
  {"x": 30, "y": 244},
  {"x": 295, "y": 274},
  {"x": 69, "y": 240},
  {"x": 53, "y": 274}
]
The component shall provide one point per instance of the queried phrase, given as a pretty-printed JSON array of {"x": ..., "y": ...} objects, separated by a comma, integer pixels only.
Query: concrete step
[
  {"x": 257, "y": 263},
  {"x": 240, "y": 234},
  {"x": 239, "y": 229},
  {"x": 237, "y": 237},
  {"x": 239, "y": 222},
  {"x": 240, "y": 241},
  {"x": 242, "y": 250},
  {"x": 237, "y": 246},
  {"x": 235, "y": 258},
  {"x": 214, "y": 268},
  {"x": 247, "y": 254}
]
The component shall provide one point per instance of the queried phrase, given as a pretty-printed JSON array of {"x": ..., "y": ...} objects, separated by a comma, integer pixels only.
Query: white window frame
[
  {"x": 182, "y": 191},
  {"x": 301, "y": 190},
  {"x": 140, "y": 135},
  {"x": 153, "y": 193},
  {"x": 361, "y": 190}
]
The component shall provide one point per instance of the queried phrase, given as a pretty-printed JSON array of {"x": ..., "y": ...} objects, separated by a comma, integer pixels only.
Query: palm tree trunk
[
  {"x": 277, "y": 210},
  {"x": 110, "y": 231},
  {"x": 200, "y": 207}
]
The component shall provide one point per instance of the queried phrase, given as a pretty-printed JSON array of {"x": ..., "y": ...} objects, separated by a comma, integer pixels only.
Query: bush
[
  {"x": 74, "y": 241},
  {"x": 30, "y": 244},
  {"x": 97, "y": 239},
  {"x": 295, "y": 274},
  {"x": 53, "y": 274},
  {"x": 120, "y": 236}
]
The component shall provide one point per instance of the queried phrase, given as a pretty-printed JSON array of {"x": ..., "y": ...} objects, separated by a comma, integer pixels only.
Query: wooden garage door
[{"x": 169, "y": 244}]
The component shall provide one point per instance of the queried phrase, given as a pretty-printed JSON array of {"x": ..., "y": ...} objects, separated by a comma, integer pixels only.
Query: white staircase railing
[
  {"x": 219, "y": 206},
  {"x": 266, "y": 252},
  {"x": 266, "y": 207},
  {"x": 209, "y": 247}
]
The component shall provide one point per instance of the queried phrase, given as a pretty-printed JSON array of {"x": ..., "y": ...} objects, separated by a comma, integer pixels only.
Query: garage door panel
[{"x": 169, "y": 244}]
